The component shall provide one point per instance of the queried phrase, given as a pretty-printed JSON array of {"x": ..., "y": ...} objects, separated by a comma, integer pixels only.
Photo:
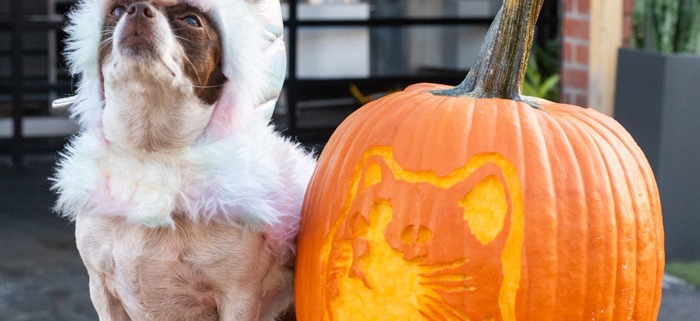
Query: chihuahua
[{"x": 186, "y": 202}]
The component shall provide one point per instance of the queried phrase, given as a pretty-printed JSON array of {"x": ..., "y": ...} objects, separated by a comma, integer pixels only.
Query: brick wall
[
  {"x": 575, "y": 42},
  {"x": 574, "y": 66}
]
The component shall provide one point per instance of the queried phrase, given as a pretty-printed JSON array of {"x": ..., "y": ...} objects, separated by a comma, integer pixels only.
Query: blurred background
[{"x": 613, "y": 56}]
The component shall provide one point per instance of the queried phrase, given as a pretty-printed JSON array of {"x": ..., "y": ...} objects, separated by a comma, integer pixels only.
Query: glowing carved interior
[
  {"x": 369, "y": 279},
  {"x": 382, "y": 276},
  {"x": 485, "y": 209}
]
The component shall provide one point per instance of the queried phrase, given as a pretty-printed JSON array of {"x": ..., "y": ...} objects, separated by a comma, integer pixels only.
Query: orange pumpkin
[{"x": 427, "y": 206}]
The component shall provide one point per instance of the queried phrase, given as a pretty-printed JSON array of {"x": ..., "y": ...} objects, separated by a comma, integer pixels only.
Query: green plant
[
  {"x": 542, "y": 73},
  {"x": 536, "y": 84},
  {"x": 667, "y": 25},
  {"x": 689, "y": 271}
]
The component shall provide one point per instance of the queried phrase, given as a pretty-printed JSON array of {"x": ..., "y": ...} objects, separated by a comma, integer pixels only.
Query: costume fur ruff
[{"x": 239, "y": 171}]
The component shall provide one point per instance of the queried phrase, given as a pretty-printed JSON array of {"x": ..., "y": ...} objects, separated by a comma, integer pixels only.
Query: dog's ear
[{"x": 211, "y": 92}]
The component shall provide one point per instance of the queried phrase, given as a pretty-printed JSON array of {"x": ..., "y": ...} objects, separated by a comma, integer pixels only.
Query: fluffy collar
[{"x": 254, "y": 180}]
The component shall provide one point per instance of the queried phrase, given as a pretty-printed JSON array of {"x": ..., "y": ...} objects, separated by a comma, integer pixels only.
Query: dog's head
[{"x": 159, "y": 75}]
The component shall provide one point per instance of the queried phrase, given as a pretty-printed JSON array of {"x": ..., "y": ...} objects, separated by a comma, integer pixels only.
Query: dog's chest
[{"x": 169, "y": 272}]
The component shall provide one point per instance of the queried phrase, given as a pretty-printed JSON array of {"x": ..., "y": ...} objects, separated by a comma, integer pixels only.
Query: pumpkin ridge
[
  {"x": 586, "y": 153},
  {"x": 582, "y": 193},
  {"x": 609, "y": 205},
  {"x": 578, "y": 154},
  {"x": 577, "y": 150},
  {"x": 539, "y": 140},
  {"x": 652, "y": 196},
  {"x": 635, "y": 203},
  {"x": 628, "y": 141},
  {"x": 610, "y": 133},
  {"x": 612, "y": 161}
]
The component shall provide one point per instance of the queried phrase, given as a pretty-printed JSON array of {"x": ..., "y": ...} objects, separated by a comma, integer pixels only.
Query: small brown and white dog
[{"x": 185, "y": 200}]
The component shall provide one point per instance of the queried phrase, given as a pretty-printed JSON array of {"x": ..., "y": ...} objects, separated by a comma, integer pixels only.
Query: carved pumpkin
[{"x": 445, "y": 204}]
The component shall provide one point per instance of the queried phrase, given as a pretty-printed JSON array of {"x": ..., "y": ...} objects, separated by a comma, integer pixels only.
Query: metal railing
[
  {"x": 294, "y": 83},
  {"x": 19, "y": 84}
]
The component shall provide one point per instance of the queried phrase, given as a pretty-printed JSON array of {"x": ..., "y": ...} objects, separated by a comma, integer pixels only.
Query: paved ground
[
  {"x": 41, "y": 275},
  {"x": 42, "y": 278}
]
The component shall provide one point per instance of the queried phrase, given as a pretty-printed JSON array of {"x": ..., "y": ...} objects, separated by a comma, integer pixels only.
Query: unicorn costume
[{"x": 239, "y": 171}]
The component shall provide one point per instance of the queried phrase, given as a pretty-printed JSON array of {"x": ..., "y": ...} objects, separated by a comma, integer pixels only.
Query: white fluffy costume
[{"x": 239, "y": 171}]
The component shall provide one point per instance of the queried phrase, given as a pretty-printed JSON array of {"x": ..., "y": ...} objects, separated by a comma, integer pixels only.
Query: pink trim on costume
[
  {"x": 101, "y": 202},
  {"x": 280, "y": 238},
  {"x": 221, "y": 122}
]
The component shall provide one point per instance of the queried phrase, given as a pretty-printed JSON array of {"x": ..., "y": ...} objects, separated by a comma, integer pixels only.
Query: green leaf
[
  {"x": 549, "y": 86},
  {"x": 666, "y": 26}
]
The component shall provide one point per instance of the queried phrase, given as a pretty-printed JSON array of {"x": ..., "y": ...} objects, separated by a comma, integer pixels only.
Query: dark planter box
[{"x": 658, "y": 101}]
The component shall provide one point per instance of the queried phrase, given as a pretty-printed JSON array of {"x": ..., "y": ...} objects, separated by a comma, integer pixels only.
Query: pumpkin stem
[{"x": 500, "y": 67}]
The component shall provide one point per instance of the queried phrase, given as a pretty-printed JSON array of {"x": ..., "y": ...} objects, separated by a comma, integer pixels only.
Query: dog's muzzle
[{"x": 138, "y": 33}]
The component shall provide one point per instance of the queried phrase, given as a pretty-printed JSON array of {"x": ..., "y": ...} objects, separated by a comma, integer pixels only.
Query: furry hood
[{"x": 254, "y": 60}]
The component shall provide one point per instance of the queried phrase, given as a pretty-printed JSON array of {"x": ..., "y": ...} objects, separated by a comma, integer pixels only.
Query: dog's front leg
[
  {"x": 240, "y": 306},
  {"x": 92, "y": 237},
  {"x": 109, "y": 307}
]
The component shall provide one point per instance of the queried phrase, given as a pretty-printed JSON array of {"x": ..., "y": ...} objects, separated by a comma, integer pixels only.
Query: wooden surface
[{"x": 605, "y": 39}]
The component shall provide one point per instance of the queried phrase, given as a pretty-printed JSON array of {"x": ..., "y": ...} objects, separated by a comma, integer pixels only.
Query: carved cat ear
[{"x": 485, "y": 209}]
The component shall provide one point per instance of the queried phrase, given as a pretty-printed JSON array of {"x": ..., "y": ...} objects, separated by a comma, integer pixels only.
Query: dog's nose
[{"x": 141, "y": 9}]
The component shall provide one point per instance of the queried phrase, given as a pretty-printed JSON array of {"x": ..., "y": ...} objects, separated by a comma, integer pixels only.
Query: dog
[{"x": 186, "y": 202}]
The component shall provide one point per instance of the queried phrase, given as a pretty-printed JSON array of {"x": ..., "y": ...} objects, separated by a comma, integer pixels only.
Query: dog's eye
[
  {"x": 118, "y": 11},
  {"x": 191, "y": 21}
]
